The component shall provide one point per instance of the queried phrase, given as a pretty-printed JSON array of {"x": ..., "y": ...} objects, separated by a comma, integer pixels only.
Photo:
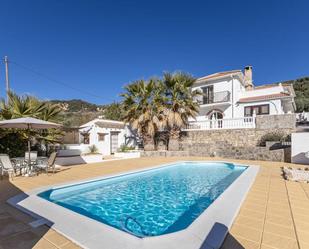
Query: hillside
[
  {"x": 76, "y": 105},
  {"x": 301, "y": 88},
  {"x": 77, "y": 112}
]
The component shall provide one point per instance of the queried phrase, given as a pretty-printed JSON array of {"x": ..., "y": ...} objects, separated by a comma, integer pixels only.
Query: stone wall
[
  {"x": 268, "y": 122},
  {"x": 240, "y": 143},
  {"x": 236, "y": 143}
]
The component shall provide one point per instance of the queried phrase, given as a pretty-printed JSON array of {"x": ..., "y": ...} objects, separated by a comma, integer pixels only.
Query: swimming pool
[{"x": 152, "y": 202}]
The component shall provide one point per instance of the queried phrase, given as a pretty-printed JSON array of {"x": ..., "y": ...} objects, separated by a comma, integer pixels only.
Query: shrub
[
  {"x": 13, "y": 144},
  {"x": 124, "y": 148},
  {"x": 93, "y": 149},
  {"x": 273, "y": 137}
]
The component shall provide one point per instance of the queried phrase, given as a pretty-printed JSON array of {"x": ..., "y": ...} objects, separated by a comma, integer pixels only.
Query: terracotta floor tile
[
  {"x": 250, "y": 222},
  {"x": 279, "y": 230},
  {"x": 44, "y": 244},
  {"x": 279, "y": 242},
  {"x": 303, "y": 245},
  {"x": 246, "y": 232},
  {"x": 301, "y": 225},
  {"x": 303, "y": 235},
  {"x": 252, "y": 214},
  {"x": 70, "y": 246},
  {"x": 279, "y": 220},
  {"x": 56, "y": 239},
  {"x": 301, "y": 211},
  {"x": 285, "y": 212},
  {"x": 263, "y": 246}
]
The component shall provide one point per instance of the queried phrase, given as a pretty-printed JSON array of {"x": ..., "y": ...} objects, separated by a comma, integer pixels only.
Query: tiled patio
[{"x": 275, "y": 214}]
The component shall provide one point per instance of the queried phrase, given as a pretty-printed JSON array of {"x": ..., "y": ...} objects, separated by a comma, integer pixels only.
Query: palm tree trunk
[
  {"x": 173, "y": 144},
  {"x": 148, "y": 143}
]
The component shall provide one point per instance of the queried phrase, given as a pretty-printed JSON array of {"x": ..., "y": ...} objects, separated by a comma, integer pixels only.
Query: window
[
  {"x": 86, "y": 138},
  {"x": 208, "y": 92},
  {"x": 257, "y": 109},
  {"x": 101, "y": 136}
]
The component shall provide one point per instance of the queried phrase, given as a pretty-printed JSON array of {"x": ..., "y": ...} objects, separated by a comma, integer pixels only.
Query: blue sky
[{"x": 99, "y": 46}]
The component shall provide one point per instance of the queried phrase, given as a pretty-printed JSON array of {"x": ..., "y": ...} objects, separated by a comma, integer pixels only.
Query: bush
[
  {"x": 124, "y": 148},
  {"x": 93, "y": 149},
  {"x": 13, "y": 144},
  {"x": 273, "y": 137}
]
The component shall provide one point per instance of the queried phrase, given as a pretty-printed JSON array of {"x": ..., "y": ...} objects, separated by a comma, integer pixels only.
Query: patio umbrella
[{"x": 28, "y": 123}]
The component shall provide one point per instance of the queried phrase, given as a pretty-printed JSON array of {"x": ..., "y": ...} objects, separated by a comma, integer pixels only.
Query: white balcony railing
[{"x": 235, "y": 123}]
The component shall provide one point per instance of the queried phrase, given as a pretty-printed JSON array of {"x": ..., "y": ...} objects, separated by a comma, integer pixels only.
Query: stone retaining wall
[{"x": 236, "y": 143}]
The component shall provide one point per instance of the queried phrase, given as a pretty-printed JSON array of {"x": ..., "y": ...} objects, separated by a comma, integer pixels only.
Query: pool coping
[{"x": 206, "y": 231}]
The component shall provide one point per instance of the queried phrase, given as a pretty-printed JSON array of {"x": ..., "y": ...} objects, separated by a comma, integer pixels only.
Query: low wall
[{"x": 76, "y": 160}]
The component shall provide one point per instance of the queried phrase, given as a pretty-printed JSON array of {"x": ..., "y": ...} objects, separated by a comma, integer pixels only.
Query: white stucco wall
[
  {"x": 233, "y": 85},
  {"x": 274, "y": 107},
  {"x": 300, "y": 146},
  {"x": 104, "y": 147},
  {"x": 263, "y": 91},
  {"x": 233, "y": 109}
]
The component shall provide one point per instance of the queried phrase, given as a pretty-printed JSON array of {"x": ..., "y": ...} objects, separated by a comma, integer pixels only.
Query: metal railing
[
  {"x": 127, "y": 229},
  {"x": 235, "y": 123},
  {"x": 217, "y": 97}
]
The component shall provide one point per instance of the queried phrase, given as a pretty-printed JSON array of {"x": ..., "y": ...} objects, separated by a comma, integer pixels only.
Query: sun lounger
[{"x": 6, "y": 166}]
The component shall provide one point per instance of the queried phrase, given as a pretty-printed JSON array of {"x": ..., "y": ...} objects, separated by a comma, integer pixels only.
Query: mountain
[
  {"x": 77, "y": 112},
  {"x": 76, "y": 105}
]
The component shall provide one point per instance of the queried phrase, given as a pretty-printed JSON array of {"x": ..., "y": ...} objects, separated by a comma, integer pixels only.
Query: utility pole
[{"x": 7, "y": 82}]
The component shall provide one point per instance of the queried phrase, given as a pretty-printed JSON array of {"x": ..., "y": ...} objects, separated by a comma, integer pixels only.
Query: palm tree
[
  {"x": 142, "y": 102},
  {"x": 28, "y": 106},
  {"x": 20, "y": 106},
  {"x": 181, "y": 103}
]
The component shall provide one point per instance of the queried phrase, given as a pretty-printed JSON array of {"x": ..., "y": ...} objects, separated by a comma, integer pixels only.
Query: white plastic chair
[{"x": 47, "y": 165}]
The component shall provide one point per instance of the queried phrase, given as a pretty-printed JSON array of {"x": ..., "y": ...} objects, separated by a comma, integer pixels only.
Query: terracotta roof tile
[
  {"x": 216, "y": 75},
  {"x": 115, "y": 125},
  {"x": 263, "y": 97}
]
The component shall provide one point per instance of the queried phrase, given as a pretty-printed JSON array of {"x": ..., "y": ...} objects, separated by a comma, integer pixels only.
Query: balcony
[
  {"x": 235, "y": 123},
  {"x": 216, "y": 97}
]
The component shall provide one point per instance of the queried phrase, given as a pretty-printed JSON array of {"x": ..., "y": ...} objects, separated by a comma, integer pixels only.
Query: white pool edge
[{"x": 89, "y": 233}]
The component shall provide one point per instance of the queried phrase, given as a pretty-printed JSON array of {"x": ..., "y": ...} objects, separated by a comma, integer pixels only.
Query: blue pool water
[{"x": 152, "y": 202}]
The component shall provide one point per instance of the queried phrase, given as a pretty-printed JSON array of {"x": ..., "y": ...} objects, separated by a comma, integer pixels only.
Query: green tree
[
  {"x": 14, "y": 140},
  {"x": 113, "y": 111},
  {"x": 180, "y": 104},
  {"x": 142, "y": 106}
]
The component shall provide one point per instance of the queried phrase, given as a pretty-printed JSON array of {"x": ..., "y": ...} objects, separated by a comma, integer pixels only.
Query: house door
[
  {"x": 216, "y": 119},
  {"x": 114, "y": 142}
]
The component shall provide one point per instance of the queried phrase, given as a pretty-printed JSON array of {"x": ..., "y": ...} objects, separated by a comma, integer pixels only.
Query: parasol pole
[{"x": 29, "y": 148}]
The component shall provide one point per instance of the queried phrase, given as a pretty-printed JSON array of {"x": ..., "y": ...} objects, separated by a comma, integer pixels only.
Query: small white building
[
  {"x": 231, "y": 98},
  {"x": 106, "y": 135}
]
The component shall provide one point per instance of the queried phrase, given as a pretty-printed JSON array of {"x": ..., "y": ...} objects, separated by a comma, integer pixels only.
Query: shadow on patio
[{"x": 15, "y": 231}]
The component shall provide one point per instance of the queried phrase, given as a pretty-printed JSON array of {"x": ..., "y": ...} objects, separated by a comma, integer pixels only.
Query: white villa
[
  {"x": 231, "y": 100},
  {"x": 106, "y": 135}
]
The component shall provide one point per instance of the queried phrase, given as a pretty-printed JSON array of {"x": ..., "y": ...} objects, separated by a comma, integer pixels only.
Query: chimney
[{"x": 248, "y": 77}]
